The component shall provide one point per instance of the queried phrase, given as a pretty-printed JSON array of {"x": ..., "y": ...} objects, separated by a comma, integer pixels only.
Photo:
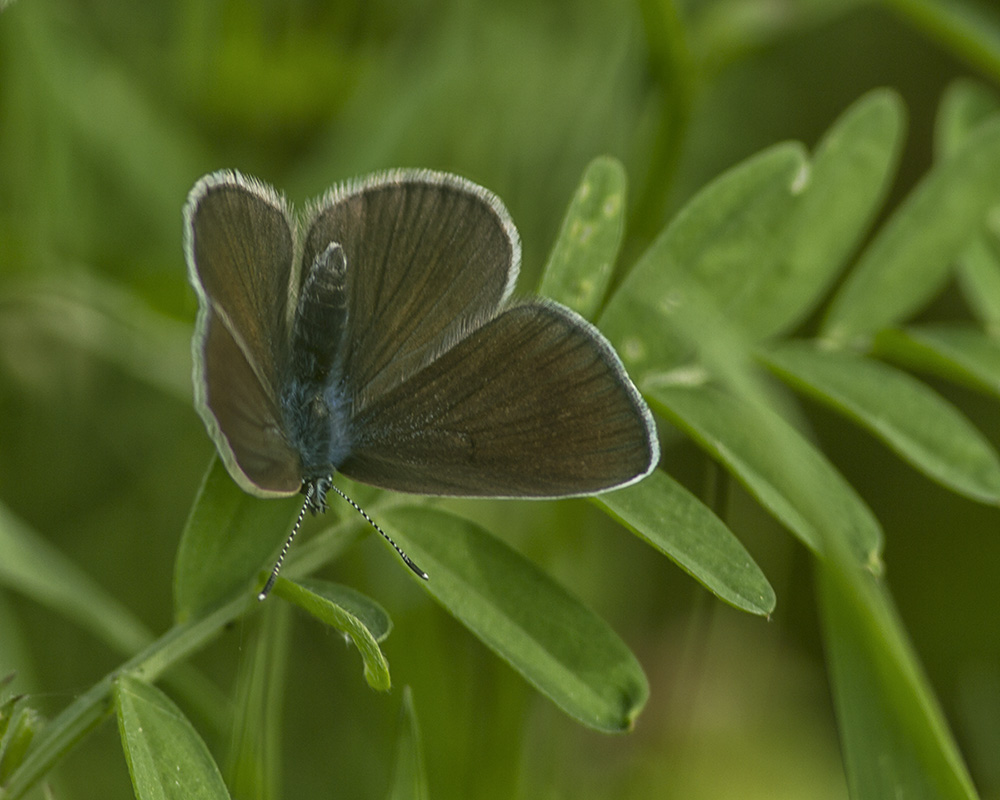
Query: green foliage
[
  {"x": 855, "y": 274},
  {"x": 166, "y": 757},
  {"x": 350, "y": 612},
  {"x": 409, "y": 780}
]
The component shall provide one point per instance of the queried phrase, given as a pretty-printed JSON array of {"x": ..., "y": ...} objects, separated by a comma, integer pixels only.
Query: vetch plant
[{"x": 705, "y": 322}]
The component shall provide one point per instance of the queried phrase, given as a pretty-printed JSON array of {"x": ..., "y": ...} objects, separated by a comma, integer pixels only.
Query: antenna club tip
[{"x": 262, "y": 597}]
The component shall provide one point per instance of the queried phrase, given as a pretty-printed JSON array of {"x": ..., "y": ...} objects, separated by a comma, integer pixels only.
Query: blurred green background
[{"x": 109, "y": 111}]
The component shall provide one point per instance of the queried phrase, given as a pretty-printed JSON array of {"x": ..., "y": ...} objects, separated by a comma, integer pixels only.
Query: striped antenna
[
  {"x": 315, "y": 491},
  {"x": 406, "y": 559}
]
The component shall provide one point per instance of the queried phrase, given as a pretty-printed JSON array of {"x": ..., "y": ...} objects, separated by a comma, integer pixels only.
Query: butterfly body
[{"x": 316, "y": 408}]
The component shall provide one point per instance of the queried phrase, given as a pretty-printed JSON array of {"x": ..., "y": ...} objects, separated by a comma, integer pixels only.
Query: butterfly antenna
[
  {"x": 307, "y": 503},
  {"x": 406, "y": 559}
]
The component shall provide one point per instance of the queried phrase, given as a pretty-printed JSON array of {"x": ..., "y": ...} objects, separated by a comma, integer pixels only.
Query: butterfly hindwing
[
  {"x": 535, "y": 403},
  {"x": 246, "y": 416}
]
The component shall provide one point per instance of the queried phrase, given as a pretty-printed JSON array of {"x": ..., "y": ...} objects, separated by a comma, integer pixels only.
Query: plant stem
[{"x": 94, "y": 706}]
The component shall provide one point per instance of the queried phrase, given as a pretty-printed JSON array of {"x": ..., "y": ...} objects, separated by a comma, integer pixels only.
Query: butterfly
[{"x": 376, "y": 335}]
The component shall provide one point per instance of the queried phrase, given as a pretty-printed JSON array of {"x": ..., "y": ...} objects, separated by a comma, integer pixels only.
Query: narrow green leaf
[
  {"x": 347, "y": 611},
  {"x": 104, "y": 320},
  {"x": 731, "y": 227},
  {"x": 960, "y": 353},
  {"x": 965, "y": 106},
  {"x": 134, "y": 131},
  {"x": 675, "y": 522},
  {"x": 786, "y": 474},
  {"x": 918, "y": 424},
  {"x": 894, "y": 736},
  {"x": 909, "y": 259},
  {"x": 978, "y": 275},
  {"x": 583, "y": 258},
  {"x": 32, "y": 566},
  {"x": 850, "y": 174},
  {"x": 561, "y": 647},
  {"x": 228, "y": 538},
  {"x": 969, "y": 29},
  {"x": 19, "y": 723},
  {"x": 92, "y": 707},
  {"x": 369, "y": 613},
  {"x": 409, "y": 779},
  {"x": 254, "y": 759},
  {"x": 166, "y": 756}
]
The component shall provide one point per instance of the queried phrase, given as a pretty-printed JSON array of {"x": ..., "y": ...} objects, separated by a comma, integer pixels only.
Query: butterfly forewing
[
  {"x": 240, "y": 247},
  {"x": 535, "y": 403},
  {"x": 429, "y": 256}
]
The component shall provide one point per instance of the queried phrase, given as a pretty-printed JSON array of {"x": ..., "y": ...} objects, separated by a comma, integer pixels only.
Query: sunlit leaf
[
  {"x": 166, "y": 757},
  {"x": 583, "y": 258},
  {"x": 228, "y": 539},
  {"x": 676, "y": 523},
  {"x": 922, "y": 427},
  {"x": 733, "y": 225},
  {"x": 957, "y": 352},
  {"x": 894, "y": 737},
  {"x": 409, "y": 778},
  {"x": 349, "y": 612},
  {"x": 849, "y": 176},
  {"x": 561, "y": 647},
  {"x": 909, "y": 259},
  {"x": 965, "y": 105},
  {"x": 786, "y": 474}
]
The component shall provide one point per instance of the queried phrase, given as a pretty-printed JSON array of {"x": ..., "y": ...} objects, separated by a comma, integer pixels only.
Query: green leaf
[
  {"x": 19, "y": 723},
  {"x": 253, "y": 765},
  {"x": 979, "y": 275},
  {"x": 675, "y": 522},
  {"x": 968, "y": 28},
  {"x": 893, "y": 734},
  {"x": 369, "y": 613},
  {"x": 409, "y": 778},
  {"x": 956, "y": 352},
  {"x": 909, "y": 259},
  {"x": 965, "y": 106},
  {"x": 850, "y": 174},
  {"x": 656, "y": 318},
  {"x": 166, "y": 756},
  {"x": 786, "y": 474},
  {"x": 229, "y": 537},
  {"x": 80, "y": 310},
  {"x": 583, "y": 258},
  {"x": 32, "y": 566},
  {"x": 349, "y": 612},
  {"x": 918, "y": 424},
  {"x": 561, "y": 647}
]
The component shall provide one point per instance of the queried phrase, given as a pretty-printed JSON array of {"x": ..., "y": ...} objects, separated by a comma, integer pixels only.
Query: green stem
[
  {"x": 94, "y": 706},
  {"x": 673, "y": 75},
  {"x": 973, "y": 34},
  {"x": 89, "y": 710}
]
